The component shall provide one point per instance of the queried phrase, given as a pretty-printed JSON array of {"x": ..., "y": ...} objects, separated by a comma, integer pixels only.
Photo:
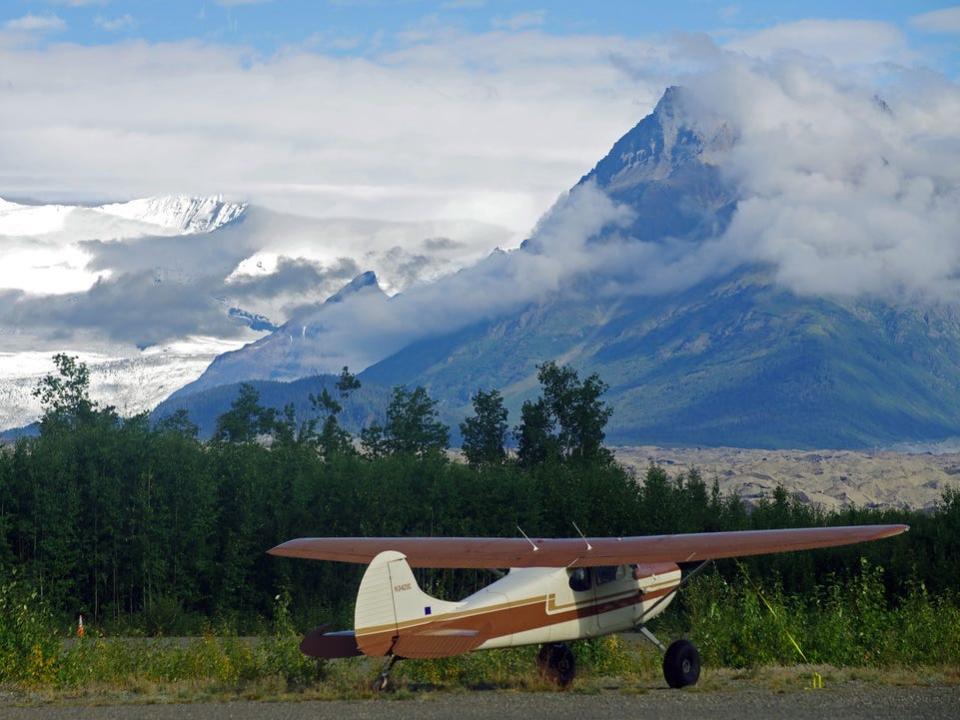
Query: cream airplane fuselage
[
  {"x": 527, "y": 606},
  {"x": 610, "y": 603}
]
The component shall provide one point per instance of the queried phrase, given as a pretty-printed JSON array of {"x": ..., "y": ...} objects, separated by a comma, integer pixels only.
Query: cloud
[
  {"x": 117, "y": 24},
  {"x": 462, "y": 4},
  {"x": 266, "y": 263},
  {"x": 843, "y": 194},
  {"x": 945, "y": 21},
  {"x": 297, "y": 277},
  {"x": 366, "y": 328},
  {"x": 36, "y": 24},
  {"x": 146, "y": 307},
  {"x": 440, "y": 244},
  {"x": 841, "y": 41},
  {"x": 520, "y": 21},
  {"x": 303, "y": 131}
]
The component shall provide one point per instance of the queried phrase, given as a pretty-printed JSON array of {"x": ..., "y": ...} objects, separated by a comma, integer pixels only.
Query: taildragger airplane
[{"x": 556, "y": 590}]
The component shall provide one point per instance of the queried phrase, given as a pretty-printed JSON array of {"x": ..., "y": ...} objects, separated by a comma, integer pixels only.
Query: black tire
[
  {"x": 557, "y": 664},
  {"x": 681, "y": 664}
]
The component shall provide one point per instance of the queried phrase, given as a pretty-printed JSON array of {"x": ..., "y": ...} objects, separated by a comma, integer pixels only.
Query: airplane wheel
[
  {"x": 557, "y": 664},
  {"x": 681, "y": 664}
]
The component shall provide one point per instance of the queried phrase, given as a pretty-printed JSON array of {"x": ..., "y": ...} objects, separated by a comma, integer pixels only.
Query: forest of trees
[{"x": 140, "y": 525}]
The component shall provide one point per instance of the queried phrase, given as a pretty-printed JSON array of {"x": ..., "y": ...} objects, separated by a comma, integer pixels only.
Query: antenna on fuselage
[
  {"x": 532, "y": 543},
  {"x": 589, "y": 546}
]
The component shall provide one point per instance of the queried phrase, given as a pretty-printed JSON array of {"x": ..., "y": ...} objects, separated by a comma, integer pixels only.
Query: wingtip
[{"x": 277, "y": 550}]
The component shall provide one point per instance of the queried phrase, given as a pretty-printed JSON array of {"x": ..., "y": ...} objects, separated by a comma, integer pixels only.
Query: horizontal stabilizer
[
  {"x": 437, "y": 643},
  {"x": 319, "y": 643}
]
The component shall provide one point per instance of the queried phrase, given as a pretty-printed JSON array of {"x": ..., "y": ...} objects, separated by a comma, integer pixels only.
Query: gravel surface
[{"x": 849, "y": 702}]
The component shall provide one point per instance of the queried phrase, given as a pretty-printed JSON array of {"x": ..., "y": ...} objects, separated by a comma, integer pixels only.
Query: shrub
[{"x": 28, "y": 644}]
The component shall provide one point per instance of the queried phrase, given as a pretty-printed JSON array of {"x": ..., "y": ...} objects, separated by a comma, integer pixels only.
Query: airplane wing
[{"x": 466, "y": 552}]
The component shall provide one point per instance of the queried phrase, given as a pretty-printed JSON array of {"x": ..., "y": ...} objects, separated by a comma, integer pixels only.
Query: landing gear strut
[
  {"x": 382, "y": 683},
  {"x": 681, "y": 661},
  {"x": 557, "y": 664}
]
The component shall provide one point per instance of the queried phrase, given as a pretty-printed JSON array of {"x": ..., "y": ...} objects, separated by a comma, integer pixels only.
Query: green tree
[
  {"x": 567, "y": 421},
  {"x": 580, "y": 414},
  {"x": 412, "y": 427},
  {"x": 484, "y": 433},
  {"x": 65, "y": 395},
  {"x": 246, "y": 418},
  {"x": 536, "y": 442},
  {"x": 179, "y": 422},
  {"x": 333, "y": 439}
]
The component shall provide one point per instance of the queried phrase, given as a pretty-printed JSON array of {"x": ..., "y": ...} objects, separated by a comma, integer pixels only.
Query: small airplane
[{"x": 556, "y": 590}]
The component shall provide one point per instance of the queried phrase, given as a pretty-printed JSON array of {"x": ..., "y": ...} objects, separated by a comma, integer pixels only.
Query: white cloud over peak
[
  {"x": 116, "y": 24},
  {"x": 841, "y": 41},
  {"x": 520, "y": 21},
  {"x": 36, "y": 24},
  {"x": 843, "y": 192},
  {"x": 945, "y": 21}
]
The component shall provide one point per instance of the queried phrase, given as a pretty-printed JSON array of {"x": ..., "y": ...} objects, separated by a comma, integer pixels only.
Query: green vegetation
[{"x": 147, "y": 531}]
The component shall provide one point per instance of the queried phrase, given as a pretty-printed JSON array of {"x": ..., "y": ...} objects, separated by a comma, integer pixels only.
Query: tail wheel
[
  {"x": 557, "y": 664},
  {"x": 681, "y": 664}
]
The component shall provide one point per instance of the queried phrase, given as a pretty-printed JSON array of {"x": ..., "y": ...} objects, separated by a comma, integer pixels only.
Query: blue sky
[{"x": 362, "y": 27}]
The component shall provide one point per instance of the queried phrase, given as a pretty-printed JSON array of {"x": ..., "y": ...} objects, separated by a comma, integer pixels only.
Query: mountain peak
[
  {"x": 665, "y": 169},
  {"x": 363, "y": 280},
  {"x": 182, "y": 213},
  {"x": 673, "y": 136}
]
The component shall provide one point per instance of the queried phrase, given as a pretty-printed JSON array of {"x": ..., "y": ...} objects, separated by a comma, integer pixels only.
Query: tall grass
[
  {"x": 33, "y": 654},
  {"x": 847, "y": 622}
]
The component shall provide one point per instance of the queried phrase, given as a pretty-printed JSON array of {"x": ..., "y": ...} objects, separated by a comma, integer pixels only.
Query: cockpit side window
[
  {"x": 608, "y": 573},
  {"x": 580, "y": 579}
]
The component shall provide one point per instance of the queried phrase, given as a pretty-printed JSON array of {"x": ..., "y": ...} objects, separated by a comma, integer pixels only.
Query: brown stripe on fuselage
[
  {"x": 550, "y": 600},
  {"x": 504, "y": 619}
]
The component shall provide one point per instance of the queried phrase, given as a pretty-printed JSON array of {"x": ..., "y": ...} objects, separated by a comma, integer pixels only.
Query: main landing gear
[
  {"x": 681, "y": 661},
  {"x": 681, "y": 664},
  {"x": 557, "y": 664}
]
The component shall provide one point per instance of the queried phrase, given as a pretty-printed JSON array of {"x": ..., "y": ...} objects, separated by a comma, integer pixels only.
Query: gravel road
[{"x": 850, "y": 702}]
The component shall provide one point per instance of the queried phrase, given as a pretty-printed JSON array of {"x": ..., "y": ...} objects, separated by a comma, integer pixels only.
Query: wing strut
[{"x": 640, "y": 625}]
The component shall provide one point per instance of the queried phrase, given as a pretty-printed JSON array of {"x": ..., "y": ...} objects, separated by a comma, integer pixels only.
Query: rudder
[{"x": 390, "y": 601}]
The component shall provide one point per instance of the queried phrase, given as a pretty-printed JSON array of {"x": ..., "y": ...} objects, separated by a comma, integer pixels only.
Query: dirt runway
[{"x": 849, "y": 702}]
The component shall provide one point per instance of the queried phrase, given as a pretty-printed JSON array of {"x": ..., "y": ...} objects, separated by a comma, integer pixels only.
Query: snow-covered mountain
[
  {"x": 165, "y": 215},
  {"x": 178, "y": 212}
]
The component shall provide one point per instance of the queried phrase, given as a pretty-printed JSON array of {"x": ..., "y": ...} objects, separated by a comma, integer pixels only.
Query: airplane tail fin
[{"x": 391, "y": 603}]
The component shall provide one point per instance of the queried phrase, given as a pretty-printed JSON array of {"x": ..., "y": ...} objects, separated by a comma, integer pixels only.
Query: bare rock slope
[{"x": 832, "y": 478}]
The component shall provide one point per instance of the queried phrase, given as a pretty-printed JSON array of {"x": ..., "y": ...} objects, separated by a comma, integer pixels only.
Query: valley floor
[{"x": 832, "y": 478}]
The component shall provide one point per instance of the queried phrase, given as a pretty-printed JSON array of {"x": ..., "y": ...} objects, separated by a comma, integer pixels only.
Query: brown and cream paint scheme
[{"x": 555, "y": 590}]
